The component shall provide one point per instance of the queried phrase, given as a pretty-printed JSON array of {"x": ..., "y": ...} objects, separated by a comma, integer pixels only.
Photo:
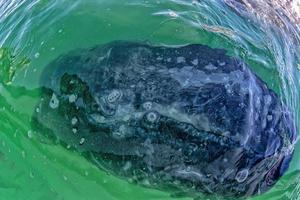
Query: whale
[{"x": 186, "y": 119}]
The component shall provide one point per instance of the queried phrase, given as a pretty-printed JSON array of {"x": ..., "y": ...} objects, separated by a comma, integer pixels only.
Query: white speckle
[
  {"x": 180, "y": 59},
  {"x": 82, "y": 140},
  {"x": 52, "y": 48},
  {"x": 29, "y": 134},
  {"x": 118, "y": 135},
  {"x": 54, "y": 102},
  {"x": 147, "y": 105},
  {"x": 299, "y": 66},
  {"x": 60, "y": 31},
  {"x": 242, "y": 175},
  {"x": 268, "y": 99},
  {"x": 210, "y": 67},
  {"x": 37, "y": 110},
  {"x": 65, "y": 178},
  {"x": 173, "y": 14},
  {"x": 113, "y": 96},
  {"x": 86, "y": 173},
  {"x": 97, "y": 118},
  {"x": 126, "y": 117},
  {"x": 74, "y": 120},
  {"x": 68, "y": 146},
  {"x": 36, "y": 55},
  {"x": 195, "y": 62},
  {"x": 222, "y": 63},
  {"x": 72, "y": 98},
  {"x": 42, "y": 43},
  {"x": 74, "y": 130},
  {"x": 127, "y": 166},
  {"x": 269, "y": 117}
]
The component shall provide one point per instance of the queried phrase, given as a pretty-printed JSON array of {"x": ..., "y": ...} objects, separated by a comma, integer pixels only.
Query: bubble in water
[
  {"x": 242, "y": 175},
  {"x": 29, "y": 134},
  {"x": 152, "y": 117},
  {"x": 54, "y": 102},
  {"x": 23, "y": 154},
  {"x": 36, "y": 55},
  {"x": 173, "y": 14}
]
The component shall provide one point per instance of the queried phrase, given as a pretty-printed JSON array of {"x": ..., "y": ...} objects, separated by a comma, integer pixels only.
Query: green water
[{"x": 34, "y": 32}]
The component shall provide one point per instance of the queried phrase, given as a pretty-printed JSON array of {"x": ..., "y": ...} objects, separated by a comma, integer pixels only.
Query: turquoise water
[{"x": 32, "y": 33}]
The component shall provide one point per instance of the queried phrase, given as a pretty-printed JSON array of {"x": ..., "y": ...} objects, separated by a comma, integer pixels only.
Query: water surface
[{"x": 32, "y": 33}]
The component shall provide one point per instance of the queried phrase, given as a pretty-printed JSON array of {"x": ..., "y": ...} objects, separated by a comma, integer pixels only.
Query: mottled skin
[{"x": 185, "y": 119}]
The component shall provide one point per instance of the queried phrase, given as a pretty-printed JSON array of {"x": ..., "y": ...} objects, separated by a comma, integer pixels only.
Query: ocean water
[{"x": 34, "y": 32}]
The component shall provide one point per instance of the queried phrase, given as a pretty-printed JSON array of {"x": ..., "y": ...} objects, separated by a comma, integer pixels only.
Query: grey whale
[{"x": 188, "y": 119}]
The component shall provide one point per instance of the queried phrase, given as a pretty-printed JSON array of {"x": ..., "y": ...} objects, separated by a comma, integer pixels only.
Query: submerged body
[{"x": 187, "y": 119}]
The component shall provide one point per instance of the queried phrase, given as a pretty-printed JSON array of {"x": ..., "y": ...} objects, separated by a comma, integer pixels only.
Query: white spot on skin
[
  {"x": 180, "y": 59},
  {"x": 117, "y": 135},
  {"x": 98, "y": 118},
  {"x": 54, "y": 102},
  {"x": 74, "y": 130},
  {"x": 195, "y": 62},
  {"x": 82, "y": 140},
  {"x": 113, "y": 96},
  {"x": 210, "y": 67},
  {"x": 242, "y": 175},
  {"x": 29, "y": 134},
  {"x": 72, "y": 98},
  {"x": 127, "y": 166},
  {"x": 74, "y": 120},
  {"x": 147, "y": 105},
  {"x": 269, "y": 117},
  {"x": 222, "y": 63}
]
